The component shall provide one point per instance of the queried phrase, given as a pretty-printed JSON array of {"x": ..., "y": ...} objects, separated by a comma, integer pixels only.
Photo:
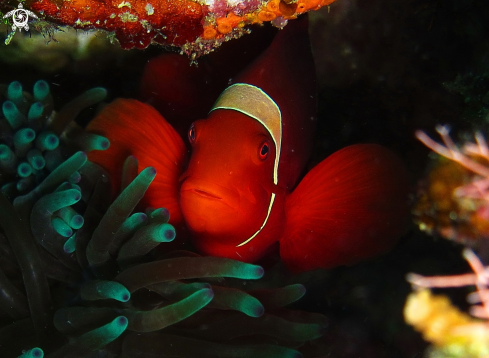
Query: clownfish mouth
[
  {"x": 203, "y": 189},
  {"x": 206, "y": 194}
]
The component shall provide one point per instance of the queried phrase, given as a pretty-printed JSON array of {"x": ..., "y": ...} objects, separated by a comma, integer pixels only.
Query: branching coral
[
  {"x": 454, "y": 201},
  {"x": 79, "y": 275}
]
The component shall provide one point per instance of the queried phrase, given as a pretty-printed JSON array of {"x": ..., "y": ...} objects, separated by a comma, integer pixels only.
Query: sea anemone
[
  {"x": 31, "y": 132},
  {"x": 79, "y": 275}
]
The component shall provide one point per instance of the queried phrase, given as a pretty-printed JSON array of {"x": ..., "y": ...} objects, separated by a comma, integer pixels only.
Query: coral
[
  {"x": 454, "y": 200},
  {"x": 453, "y": 333},
  {"x": 196, "y": 26},
  {"x": 79, "y": 275},
  {"x": 454, "y": 203}
]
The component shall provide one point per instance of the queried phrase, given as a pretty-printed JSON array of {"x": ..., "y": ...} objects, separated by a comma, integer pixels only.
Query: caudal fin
[
  {"x": 135, "y": 128},
  {"x": 351, "y": 206}
]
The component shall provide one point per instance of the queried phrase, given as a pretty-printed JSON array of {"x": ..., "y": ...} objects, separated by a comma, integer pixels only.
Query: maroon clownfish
[{"x": 240, "y": 191}]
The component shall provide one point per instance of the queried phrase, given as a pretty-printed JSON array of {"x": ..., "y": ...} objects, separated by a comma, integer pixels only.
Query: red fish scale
[{"x": 178, "y": 21}]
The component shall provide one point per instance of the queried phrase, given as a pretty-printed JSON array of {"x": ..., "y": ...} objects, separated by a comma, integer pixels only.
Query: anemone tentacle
[{"x": 86, "y": 262}]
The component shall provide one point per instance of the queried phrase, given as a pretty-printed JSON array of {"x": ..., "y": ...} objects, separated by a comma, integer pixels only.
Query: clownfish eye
[
  {"x": 191, "y": 134},
  {"x": 263, "y": 151}
]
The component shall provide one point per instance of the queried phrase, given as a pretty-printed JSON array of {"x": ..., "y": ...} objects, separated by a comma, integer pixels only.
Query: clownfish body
[{"x": 238, "y": 193}]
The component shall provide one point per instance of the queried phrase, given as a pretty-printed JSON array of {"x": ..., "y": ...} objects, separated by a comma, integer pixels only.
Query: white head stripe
[{"x": 255, "y": 103}]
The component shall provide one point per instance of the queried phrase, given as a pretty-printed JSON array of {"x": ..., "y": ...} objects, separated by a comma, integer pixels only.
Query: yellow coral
[{"x": 453, "y": 332}]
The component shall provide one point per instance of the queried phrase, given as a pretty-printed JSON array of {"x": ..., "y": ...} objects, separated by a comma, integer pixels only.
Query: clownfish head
[{"x": 227, "y": 191}]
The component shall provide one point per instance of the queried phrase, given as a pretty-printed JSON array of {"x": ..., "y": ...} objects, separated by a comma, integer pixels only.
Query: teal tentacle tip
[
  {"x": 70, "y": 216},
  {"x": 295, "y": 291},
  {"x": 24, "y": 136},
  {"x": 97, "y": 94},
  {"x": 75, "y": 177},
  {"x": 252, "y": 307},
  {"x": 160, "y": 215},
  {"x": 77, "y": 196},
  {"x": 73, "y": 194},
  {"x": 23, "y": 184},
  {"x": 33, "y": 353},
  {"x": 47, "y": 141},
  {"x": 166, "y": 233},
  {"x": 14, "y": 92},
  {"x": 70, "y": 245},
  {"x": 107, "y": 333},
  {"x": 103, "y": 143},
  {"x": 41, "y": 90},
  {"x": 114, "y": 290},
  {"x": 4, "y": 151},
  {"x": 6, "y": 154},
  {"x": 80, "y": 155},
  {"x": 119, "y": 324},
  {"x": 12, "y": 114},
  {"x": 69, "y": 197},
  {"x": 38, "y": 163},
  {"x": 76, "y": 221},
  {"x": 35, "y": 159},
  {"x": 206, "y": 294},
  {"x": 24, "y": 170},
  {"x": 258, "y": 311},
  {"x": 61, "y": 227},
  {"x": 94, "y": 142},
  {"x": 35, "y": 111},
  {"x": 139, "y": 218},
  {"x": 251, "y": 272},
  {"x": 8, "y": 107},
  {"x": 148, "y": 174}
]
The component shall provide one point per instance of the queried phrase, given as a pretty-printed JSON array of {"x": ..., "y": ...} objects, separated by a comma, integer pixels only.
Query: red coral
[{"x": 135, "y": 23}]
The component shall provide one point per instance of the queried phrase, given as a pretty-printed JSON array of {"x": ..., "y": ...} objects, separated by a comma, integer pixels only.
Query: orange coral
[
  {"x": 209, "y": 33},
  {"x": 273, "y": 6},
  {"x": 266, "y": 16},
  {"x": 226, "y": 24},
  {"x": 287, "y": 10},
  {"x": 306, "y": 5}
]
